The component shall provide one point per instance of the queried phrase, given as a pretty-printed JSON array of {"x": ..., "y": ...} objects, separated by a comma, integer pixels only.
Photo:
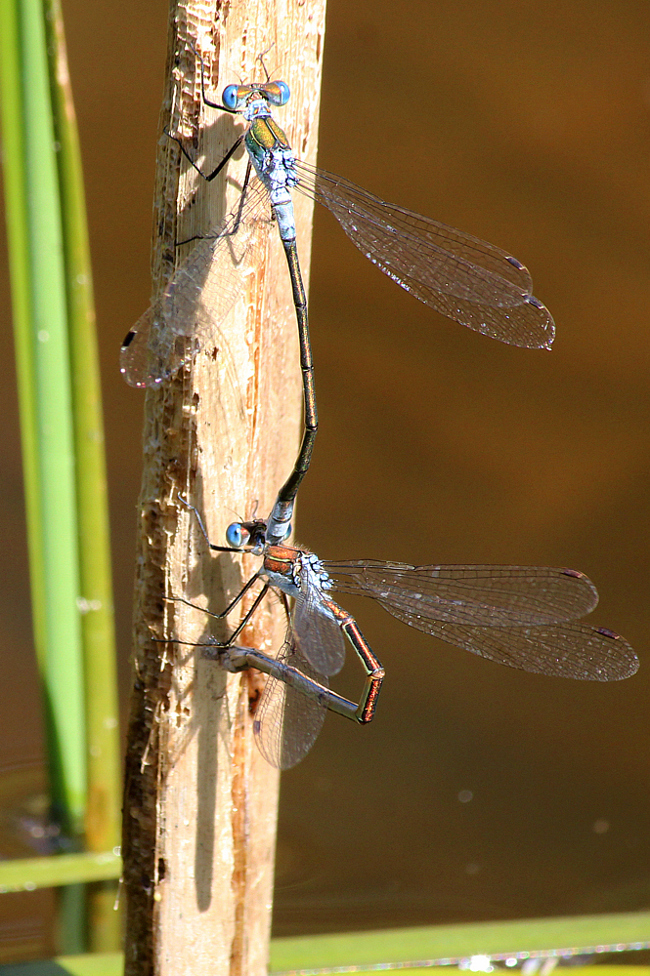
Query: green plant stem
[
  {"x": 103, "y": 824},
  {"x": 447, "y": 944},
  {"x": 30, "y": 873},
  {"x": 388, "y": 949},
  {"x": 38, "y": 292}
]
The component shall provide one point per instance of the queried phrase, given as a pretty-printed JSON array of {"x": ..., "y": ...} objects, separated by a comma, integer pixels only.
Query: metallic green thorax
[{"x": 264, "y": 135}]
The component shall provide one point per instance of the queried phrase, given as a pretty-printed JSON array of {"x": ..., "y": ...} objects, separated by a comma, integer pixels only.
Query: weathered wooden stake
[{"x": 200, "y": 802}]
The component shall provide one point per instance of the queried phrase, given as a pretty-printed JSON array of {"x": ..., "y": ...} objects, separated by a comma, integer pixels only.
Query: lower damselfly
[
  {"x": 519, "y": 616},
  {"x": 466, "y": 279}
]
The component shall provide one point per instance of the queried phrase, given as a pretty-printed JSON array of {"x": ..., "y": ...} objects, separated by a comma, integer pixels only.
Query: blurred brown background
[{"x": 526, "y": 124}]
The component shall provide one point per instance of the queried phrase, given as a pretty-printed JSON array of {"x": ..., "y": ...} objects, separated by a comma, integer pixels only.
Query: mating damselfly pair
[{"x": 519, "y": 616}]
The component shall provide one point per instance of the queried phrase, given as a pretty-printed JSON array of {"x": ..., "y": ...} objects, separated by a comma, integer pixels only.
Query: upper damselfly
[
  {"x": 463, "y": 278},
  {"x": 519, "y": 616}
]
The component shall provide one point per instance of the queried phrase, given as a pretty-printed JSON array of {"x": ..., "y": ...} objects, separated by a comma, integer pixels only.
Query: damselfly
[
  {"x": 519, "y": 616},
  {"x": 463, "y": 278}
]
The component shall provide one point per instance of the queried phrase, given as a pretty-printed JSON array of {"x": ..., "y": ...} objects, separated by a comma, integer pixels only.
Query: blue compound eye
[
  {"x": 236, "y": 535},
  {"x": 230, "y": 97},
  {"x": 285, "y": 92}
]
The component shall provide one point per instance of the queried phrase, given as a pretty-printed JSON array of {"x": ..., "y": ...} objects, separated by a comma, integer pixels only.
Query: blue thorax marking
[{"x": 314, "y": 566}]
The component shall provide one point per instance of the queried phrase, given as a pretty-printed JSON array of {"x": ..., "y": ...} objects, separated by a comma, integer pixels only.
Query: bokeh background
[{"x": 478, "y": 792}]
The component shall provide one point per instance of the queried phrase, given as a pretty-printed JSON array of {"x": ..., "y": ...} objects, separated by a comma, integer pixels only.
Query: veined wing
[
  {"x": 288, "y": 722},
  {"x": 200, "y": 294},
  {"x": 489, "y": 596},
  {"x": 460, "y": 276},
  {"x": 569, "y": 651},
  {"x": 318, "y": 633}
]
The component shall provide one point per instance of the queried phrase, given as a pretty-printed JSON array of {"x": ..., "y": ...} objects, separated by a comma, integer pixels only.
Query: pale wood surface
[{"x": 200, "y": 802}]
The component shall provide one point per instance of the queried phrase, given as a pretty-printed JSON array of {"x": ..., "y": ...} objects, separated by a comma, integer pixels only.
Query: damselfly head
[
  {"x": 247, "y": 535},
  {"x": 236, "y": 98}
]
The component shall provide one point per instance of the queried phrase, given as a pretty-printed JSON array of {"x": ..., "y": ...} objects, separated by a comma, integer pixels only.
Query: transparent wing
[
  {"x": 570, "y": 651},
  {"x": 458, "y": 275},
  {"x": 489, "y": 596},
  {"x": 321, "y": 640},
  {"x": 202, "y": 291},
  {"x": 287, "y": 722}
]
